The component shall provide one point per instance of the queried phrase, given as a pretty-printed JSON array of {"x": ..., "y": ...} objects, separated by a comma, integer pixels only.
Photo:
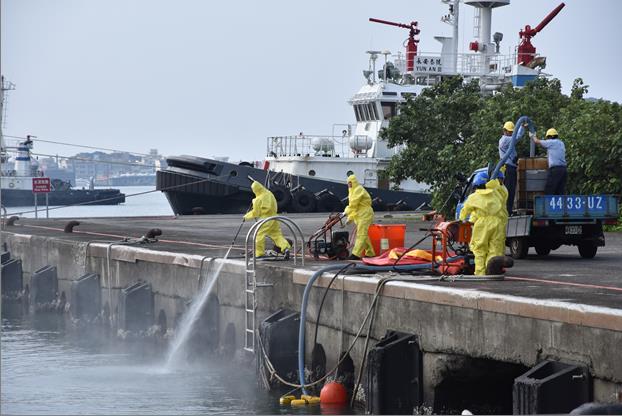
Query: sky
[{"x": 216, "y": 78}]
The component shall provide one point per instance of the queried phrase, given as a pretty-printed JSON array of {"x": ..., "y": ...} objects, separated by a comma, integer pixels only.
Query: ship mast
[{"x": 4, "y": 86}]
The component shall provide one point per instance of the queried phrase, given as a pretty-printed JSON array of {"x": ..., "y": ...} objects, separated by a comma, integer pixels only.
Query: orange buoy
[{"x": 334, "y": 393}]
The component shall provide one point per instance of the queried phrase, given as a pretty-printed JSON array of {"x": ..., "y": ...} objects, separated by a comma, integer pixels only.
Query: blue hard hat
[{"x": 480, "y": 178}]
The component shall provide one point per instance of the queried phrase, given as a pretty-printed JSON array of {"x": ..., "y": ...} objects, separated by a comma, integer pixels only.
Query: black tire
[
  {"x": 378, "y": 204},
  {"x": 588, "y": 250},
  {"x": 519, "y": 248},
  {"x": 329, "y": 202},
  {"x": 246, "y": 164},
  {"x": 304, "y": 201},
  {"x": 543, "y": 249},
  {"x": 282, "y": 195}
]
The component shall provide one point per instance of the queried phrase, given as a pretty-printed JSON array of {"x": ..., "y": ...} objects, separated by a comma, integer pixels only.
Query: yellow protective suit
[
  {"x": 264, "y": 206},
  {"x": 502, "y": 193},
  {"x": 360, "y": 211},
  {"x": 487, "y": 214}
]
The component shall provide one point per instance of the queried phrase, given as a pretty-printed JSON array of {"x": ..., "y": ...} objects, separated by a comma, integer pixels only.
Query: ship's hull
[
  {"x": 23, "y": 197},
  {"x": 196, "y": 185}
]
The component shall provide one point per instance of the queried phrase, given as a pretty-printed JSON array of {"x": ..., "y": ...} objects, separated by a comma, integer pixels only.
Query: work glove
[
  {"x": 344, "y": 216},
  {"x": 532, "y": 135}
]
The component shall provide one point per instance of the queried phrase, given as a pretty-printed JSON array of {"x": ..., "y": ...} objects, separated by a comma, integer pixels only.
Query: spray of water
[{"x": 191, "y": 316}]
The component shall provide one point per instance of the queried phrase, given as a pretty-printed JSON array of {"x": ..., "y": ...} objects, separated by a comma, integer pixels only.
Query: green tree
[{"x": 452, "y": 128}]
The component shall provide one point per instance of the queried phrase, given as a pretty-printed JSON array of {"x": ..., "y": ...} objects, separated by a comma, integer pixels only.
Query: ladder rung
[
  {"x": 249, "y": 349},
  {"x": 250, "y": 330},
  {"x": 249, "y": 291},
  {"x": 250, "y": 310}
]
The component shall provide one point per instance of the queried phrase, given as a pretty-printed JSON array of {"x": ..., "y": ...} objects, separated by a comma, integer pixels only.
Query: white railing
[{"x": 312, "y": 145}]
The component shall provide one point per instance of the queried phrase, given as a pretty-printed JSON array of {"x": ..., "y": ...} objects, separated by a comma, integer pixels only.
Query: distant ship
[
  {"x": 308, "y": 173},
  {"x": 133, "y": 179},
  {"x": 17, "y": 185}
]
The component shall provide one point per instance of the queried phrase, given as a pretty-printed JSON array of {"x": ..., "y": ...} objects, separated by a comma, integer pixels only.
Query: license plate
[{"x": 574, "y": 229}]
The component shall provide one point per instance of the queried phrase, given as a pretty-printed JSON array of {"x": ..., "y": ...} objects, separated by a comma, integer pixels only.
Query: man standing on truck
[
  {"x": 510, "y": 163},
  {"x": 556, "y": 154}
]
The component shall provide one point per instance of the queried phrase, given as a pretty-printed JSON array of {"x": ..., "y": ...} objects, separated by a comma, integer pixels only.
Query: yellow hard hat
[
  {"x": 509, "y": 126},
  {"x": 551, "y": 132}
]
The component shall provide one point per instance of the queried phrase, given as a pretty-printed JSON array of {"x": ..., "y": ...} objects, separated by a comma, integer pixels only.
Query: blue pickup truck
[{"x": 556, "y": 220}]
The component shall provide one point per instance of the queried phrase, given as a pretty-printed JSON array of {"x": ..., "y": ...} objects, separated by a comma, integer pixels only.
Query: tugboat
[
  {"x": 308, "y": 173},
  {"x": 17, "y": 185},
  {"x": 16, "y": 179}
]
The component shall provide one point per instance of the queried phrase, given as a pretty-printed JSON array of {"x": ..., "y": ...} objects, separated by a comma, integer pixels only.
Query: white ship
[{"x": 302, "y": 170}]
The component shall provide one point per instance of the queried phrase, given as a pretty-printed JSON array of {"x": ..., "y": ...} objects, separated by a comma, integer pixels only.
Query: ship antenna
[{"x": 373, "y": 55}]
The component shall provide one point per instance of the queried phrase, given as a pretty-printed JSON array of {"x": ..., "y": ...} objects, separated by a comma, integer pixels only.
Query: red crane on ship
[
  {"x": 411, "y": 46},
  {"x": 526, "y": 51}
]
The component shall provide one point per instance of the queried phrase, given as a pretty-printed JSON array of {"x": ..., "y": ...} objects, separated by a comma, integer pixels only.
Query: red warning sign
[{"x": 40, "y": 185}]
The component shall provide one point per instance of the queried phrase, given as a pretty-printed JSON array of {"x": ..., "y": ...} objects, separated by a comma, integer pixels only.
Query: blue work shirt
[
  {"x": 555, "y": 151},
  {"x": 504, "y": 145}
]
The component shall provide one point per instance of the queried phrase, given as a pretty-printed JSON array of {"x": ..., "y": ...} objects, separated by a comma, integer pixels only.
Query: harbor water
[{"x": 49, "y": 369}]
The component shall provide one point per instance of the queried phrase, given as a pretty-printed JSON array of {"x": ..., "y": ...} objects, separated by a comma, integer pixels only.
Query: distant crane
[
  {"x": 411, "y": 46},
  {"x": 526, "y": 51}
]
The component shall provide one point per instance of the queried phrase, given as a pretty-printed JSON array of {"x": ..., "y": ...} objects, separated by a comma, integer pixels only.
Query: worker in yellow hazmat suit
[
  {"x": 502, "y": 194},
  {"x": 264, "y": 206},
  {"x": 487, "y": 214},
  {"x": 359, "y": 211}
]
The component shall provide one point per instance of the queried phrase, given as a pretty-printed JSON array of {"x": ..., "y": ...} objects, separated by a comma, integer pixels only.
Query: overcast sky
[{"x": 215, "y": 78}]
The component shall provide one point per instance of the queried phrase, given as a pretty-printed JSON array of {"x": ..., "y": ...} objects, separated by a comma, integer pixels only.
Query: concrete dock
[{"x": 558, "y": 307}]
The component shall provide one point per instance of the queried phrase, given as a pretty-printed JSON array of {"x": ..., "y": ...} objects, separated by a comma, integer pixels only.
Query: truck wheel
[
  {"x": 543, "y": 249},
  {"x": 587, "y": 250},
  {"x": 518, "y": 248}
]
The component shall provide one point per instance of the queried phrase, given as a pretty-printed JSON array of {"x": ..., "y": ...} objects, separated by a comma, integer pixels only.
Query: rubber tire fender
[
  {"x": 329, "y": 202},
  {"x": 304, "y": 201},
  {"x": 282, "y": 195}
]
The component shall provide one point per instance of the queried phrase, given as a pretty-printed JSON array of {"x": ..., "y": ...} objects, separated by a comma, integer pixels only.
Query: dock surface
[{"x": 561, "y": 276}]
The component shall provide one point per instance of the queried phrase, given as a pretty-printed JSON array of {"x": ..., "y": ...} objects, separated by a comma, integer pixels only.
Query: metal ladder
[{"x": 251, "y": 284}]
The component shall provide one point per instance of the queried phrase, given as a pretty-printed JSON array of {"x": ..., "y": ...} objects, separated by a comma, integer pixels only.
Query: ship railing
[
  {"x": 314, "y": 145},
  {"x": 429, "y": 66}
]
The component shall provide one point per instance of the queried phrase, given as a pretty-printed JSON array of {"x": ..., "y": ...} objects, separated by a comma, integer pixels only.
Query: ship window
[
  {"x": 373, "y": 111},
  {"x": 366, "y": 113},
  {"x": 311, "y": 172},
  {"x": 389, "y": 109},
  {"x": 389, "y": 93},
  {"x": 233, "y": 173},
  {"x": 357, "y": 113}
]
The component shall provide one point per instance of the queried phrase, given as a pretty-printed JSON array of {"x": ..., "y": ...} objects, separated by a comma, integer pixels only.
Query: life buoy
[{"x": 282, "y": 195}]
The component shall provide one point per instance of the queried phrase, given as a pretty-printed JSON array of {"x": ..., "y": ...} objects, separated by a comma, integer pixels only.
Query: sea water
[{"x": 49, "y": 369}]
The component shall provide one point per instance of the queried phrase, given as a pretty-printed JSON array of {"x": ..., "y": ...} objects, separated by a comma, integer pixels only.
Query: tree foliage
[{"x": 452, "y": 128}]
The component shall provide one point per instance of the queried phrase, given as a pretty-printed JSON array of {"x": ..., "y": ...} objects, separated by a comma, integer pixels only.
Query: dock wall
[{"x": 452, "y": 324}]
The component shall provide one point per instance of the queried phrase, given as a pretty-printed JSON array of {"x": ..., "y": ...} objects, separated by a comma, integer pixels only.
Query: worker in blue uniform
[
  {"x": 510, "y": 163},
  {"x": 556, "y": 154}
]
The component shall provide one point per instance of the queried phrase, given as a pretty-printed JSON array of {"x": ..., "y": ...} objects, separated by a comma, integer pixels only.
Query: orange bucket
[{"x": 386, "y": 236}]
